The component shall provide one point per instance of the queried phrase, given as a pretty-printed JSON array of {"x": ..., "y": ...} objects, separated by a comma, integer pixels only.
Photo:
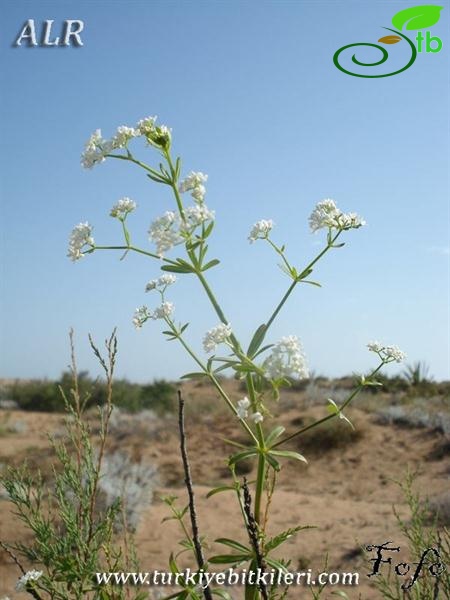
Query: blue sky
[{"x": 254, "y": 100}]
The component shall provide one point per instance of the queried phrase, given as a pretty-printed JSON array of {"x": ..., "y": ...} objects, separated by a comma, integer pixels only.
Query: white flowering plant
[{"x": 179, "y": 247}]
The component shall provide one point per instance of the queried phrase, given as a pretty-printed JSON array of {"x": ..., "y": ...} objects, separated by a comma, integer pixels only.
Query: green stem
[
  {"x": 260, "y": 477},
  {"x": 328, "y": 417},
  {"x": 134, "y": 249},
  {"x": 213, "y": 380},
  {"x": 131, "y": 158},
  {"x": 218, "y": 310},
  {"x": 280, "y": 253},
  {"x": 294, "y": 283},
  {"x": 281, "y": 304},
  {"x": 174, "y": 184}
]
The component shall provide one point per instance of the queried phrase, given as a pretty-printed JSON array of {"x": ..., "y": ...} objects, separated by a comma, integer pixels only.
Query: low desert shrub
[
  {"x": 72, "y": 535},
  {"x": 421, "y": 534}
]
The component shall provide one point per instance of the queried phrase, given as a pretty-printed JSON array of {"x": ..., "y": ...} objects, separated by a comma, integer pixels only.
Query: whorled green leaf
[
  {"x": 221, "y": 594},
  {"x": 242, "y": 456},
  {"x": 234, "y": 544},
  {"x": 251, "y": 590},
  {"x": 273, "y": 462},
  {"x": 274, "y": 434},
  {"x": 276, "y": 564},
  {"x": 173, "y": 565},
  {"x": 228, "y": 559},
  {"x": 257, "y": 340},
  {"x": 194, "y": 375},
  {"x": 210, "y": 264},
  {"x": 233, "y": 443},
  {"x": 175, "y": 269},
  {"x": 283, "y": 536},
  {"x": 288, "y": 454},
  {"x": 220, "y": 489},
  {"x": 417, "y": 17}
]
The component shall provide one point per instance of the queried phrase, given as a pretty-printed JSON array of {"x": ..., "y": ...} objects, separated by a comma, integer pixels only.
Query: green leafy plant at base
[
  {"x": 422, "y": 531},
  {"x": 181, "y": 238},
  {"x": 71, "y": 538}
]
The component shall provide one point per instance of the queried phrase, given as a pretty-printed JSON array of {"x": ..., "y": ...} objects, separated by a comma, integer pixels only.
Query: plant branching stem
[
  {"x": 296, "y": 281},
  {"x": 355, "y": 392}
]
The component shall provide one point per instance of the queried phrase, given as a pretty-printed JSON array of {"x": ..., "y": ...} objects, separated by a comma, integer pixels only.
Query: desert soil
[{"x": 346, "y": 492}]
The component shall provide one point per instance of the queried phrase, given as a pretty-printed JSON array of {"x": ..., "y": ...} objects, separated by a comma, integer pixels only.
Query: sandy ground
[{"x": 347, "y": 493}]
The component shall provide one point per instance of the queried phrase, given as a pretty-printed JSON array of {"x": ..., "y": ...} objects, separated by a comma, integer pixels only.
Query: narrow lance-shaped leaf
[
  {"x": 228, "y": 559},
  {"x": 288, "y": 454},
  {"x": 274, "y": 434},
  {"x": 219, "y": 490},
  {"x": 241, "y": 456},
  {"x": 233, "y": 544},
  {"x": 257, "y": 340}
]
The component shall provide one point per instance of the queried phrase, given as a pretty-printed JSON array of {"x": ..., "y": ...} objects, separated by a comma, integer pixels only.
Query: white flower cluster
[
  {"x": 194, "y": 183},
  {"x": 80, "y": 237},
  {"x": 387, "y": 353},
  {"x": 164, "y": 232},
  {"x": 195, "y": 216},
  {"x": 157, "y": 135},
  {"x": 122, "y": 207},
  {"x": 169, "y": 229},
  {"x": 143, "y": 313},
  {"x": 33, "y": 575},
  {"x": 146, "y": 126},
  {"x": 161, "y": 283},
  {"x": 242, "y": 411},
  {"x": 327, "y": 215},
  {"x": 122, "y": 136},
  {"x": 97, "y": 148},
  {"x": 286, "y": 360},
  {"x": 216, "y": 335},
  {"x": 260, "y": 230}
]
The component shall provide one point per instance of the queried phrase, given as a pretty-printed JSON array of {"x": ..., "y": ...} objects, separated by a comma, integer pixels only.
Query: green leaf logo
[{"x": 417, "y": 17}]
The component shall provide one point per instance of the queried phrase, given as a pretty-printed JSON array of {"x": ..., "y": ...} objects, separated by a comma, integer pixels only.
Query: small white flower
[
  {"x": 194, "y": 183},
  {"x": 216, "y": 335},
  {"x": 122, "y": 208},
  {"x": 146, "y": 126},
  {"x": 165, "y": 310},
  {"x": 162, "y": 282},
  {"x": 257, "y": 417},
  {"x": 80, "y": 237},
  {"x": 95, "y": 150},
  {"x": 193, "y": 180},
  {"x": 157, "y": 135},
  {"x": 327, "y": 215},
  {"x": 387, "y": 353},
  {"x": 260, "y": 230},
  {"x": 29, "y": 576},
  {"x": 242, "y": 408},
  {"x": 141, "y": 315},
  {"x": 350, "y": 221},
  {"x": 286, "y": 360},
  {"x": 164, "y": 232},
  {"x": 195, "y": 216},
  {"x": 122, "y": 136}
]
